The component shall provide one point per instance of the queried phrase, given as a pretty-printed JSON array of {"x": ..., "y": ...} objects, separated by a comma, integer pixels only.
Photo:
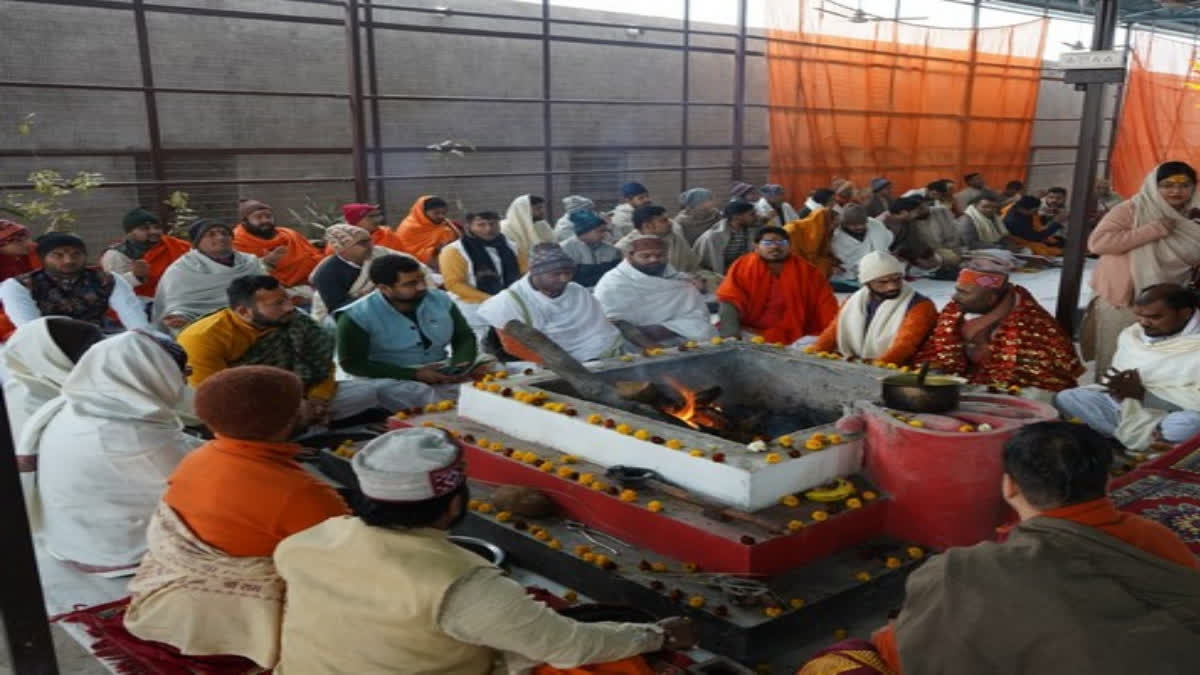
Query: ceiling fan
[{"x": 857, "y": 15}]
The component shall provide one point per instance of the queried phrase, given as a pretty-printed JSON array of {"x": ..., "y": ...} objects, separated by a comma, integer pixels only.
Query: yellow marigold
[
  {"x": 690, "y": 344},
  {"x": 654, "y": 506},
  {"x": 589, "y": 557},
  {"x": 554, "y": 544},
  {"x": 820, "y": 516},
  {"x": 488, "y": 377},
  {"x": 568, "y": 459},
  {"x": 892, "y": 562},
  {"x": 400, "y": 415},
  {"x": 758, "y": 340},
  {"x": 696, "y": 452},
  {"x": 428, "y": 424},
  {"x": 500, "y": 374},
  {"x": 1073, "y": 420},
  {"x": 905, "y": 369},
  {"x": 967, "y": 428},
  {"x": 869, "y": 495},
  {"x": 599, "y": 485},
  {"x": 628, "y": 496},
  {"x": 627, "y": 358},
  {"x": 580, "y": 550},
  {"x": 688, "y": 567},
  {"x": 795, "y": 525},
  {"x": 600, "y": 560},
  {"x": 485, "y": 507},
  {"x": 480, "y": 385},
  {"x": 542, "y": 535},
  {"x": 812, "y": 444},
  {"x": 916, "y": 423},
  {"x": 717, "y": 340},
  {"x": 493, "y": 387},
  {"x": 658, "y": 567},
  {"x": 785, "y": 441},
  {"x": 862, "y": 576},
  {"x": 586, "y": 478},
  {"x": 564, "y": 471},
  {"x": 546, "y": 466},
  {"x": 915, "y": 552},
  {"x": 531, "y": 458},
  {"x": 504, "y": 516},
  {"x": 854, "y": 503},
  {"x": 840, "y": 634},
  {"x": 570, "y": 596},
  {"x": 773, "y": 458},
  {"x": 773, "y": 611},
  {"x": 624, "y": 429},
  {"x": 674, "y": 443},
  {"x": 796, "y": 603},
  {"x": 1014, "y": 389},
  {"x": 810, "y": 350},
  {"x": 642, "y": 435},
  {"x": 430, "y": 407},
  {"x": 496, "y": 446},
  {"x": 834, "y": 439},
  {"x": 696, "y": 601},
  {"x": 790, "y": 501},
  {"x": 473, "y": 504},
  {"x": 595, "y": 419},
  {"x": 892, "y": 366}
]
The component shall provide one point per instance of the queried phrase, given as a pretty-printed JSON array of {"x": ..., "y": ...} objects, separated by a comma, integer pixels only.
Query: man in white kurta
[
  {"x": 1152, "y": 392},
  {"x": 547, "y": 300},
  {"x": 856, "y": 236},
  {"x": 649, "y": 293}
]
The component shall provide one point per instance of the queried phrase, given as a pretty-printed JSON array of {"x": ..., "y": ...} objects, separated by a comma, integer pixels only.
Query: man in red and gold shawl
[{"x": 995, "y": 333}]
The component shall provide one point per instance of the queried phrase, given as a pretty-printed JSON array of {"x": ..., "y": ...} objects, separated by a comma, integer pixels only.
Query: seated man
[
  {"x": 227, "y": 506},
  {"x": 480, "y": 265},
  {"x": 195, "y": 284},
  {"x": 343, "y": 277},
  {"x": 1077, "y": 587},
  {"x": 144, "y": 254},
  {"x": 856, "y": 236},
  {"x": 459, "y": 614},
  {"x": 745, "y": 192},
  {"x": 821, "y": 198},
  {"x": 261, "y": 327},
  {"x": 1013, "y": 190},
  {"x": 1152, "y": 392},
  {"x": 633, "y": 197},
  {"x": 976, "y": 186},
  {"x": 588, "y": 248},
  {"x": 653, "y": 220},
  {"x": 773, "y": 208},
  {"x": 564, "y": 228},
  {"x": 908, "y": 244},
  {"x": 844, "y": 193},
  {"x": 775, "y": 294},
  {"x": 697, "y": 214},
  {"x": 525, "y": 225},
  {"x": 885, "y": 320},
  {"x": 426, "y": 229},
  {"x": 286, "y": 254},
  {"x": 548, "y": 301},
  {"x": 369, "y": 218},
  {"x": 729, "y": 239},
  {"x": 996, "y": 333},
  {"x": 1031, "y": 229},
  {"x": 881, "y": 197},
  {"x": 66, "y": 286},
  {"x": 980, "y": 226},
  {"x": 937, "y": 228},
  {"x": 406, "y": 331},
  {"x": 646, "y": 291}
]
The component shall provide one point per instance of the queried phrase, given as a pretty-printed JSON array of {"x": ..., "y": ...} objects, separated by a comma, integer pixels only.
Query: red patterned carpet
[{"x": 1166, "y": 490}]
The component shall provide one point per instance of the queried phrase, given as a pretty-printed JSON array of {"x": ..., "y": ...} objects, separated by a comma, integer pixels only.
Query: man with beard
[
  {"x": 1151, "y": 394},
  {"x": 286, "y": 254},
  {"x": 426, "y": 229},
  {"x": 729, "y": 239},
  {"x": 145, "y": 253},
  {"x": 856, "y": 236},
  {"x": 404, "y": 331},
  {"x": 481, "y": 264},
  {"x": 885, "y": 321},
  {"x": 262, "y": 327},
  {"x": 459, "y": 614},
  {"x": 66, "y": 286},
  {"x": 774, "y": 293},
  {"x": 653, "y": 220},
  {"x": 548, "y": 301},
  {"x": 646, "y": 291},
  {"x": 195, "y": 284}
]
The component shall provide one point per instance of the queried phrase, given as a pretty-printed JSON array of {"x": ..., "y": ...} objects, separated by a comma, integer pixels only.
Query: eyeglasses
[{"x": 775, "y": 243}]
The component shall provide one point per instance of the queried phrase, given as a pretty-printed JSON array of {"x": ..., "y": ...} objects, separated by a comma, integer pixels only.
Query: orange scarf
[
  {"x": 159, "y": 258},
  {"x": 800, "y": 289},
  {"x": 422, "y": 238},
  {"x": 295, "y": 266}
]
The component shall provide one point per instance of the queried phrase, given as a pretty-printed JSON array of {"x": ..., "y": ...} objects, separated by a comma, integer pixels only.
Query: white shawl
[
  {"x": 850, "y": 251},
  {"x": 620, "y": 220},
  {"x": 990, "y": 230},
  {"x": 679, "y": 254},
  {"x": 870, "y": 341},
  {"x": 564, "y": 229},
  {"x": 195, "y": 284},
  {"x": 1169, "y": 370},
  {"x": 767, "y": 212},
  {"x": 34, "y": 370},
  {"x": 104, "y": 450},
  {"x": 574, "y": 320},
  {"x": 1170, "y": 259},
  {"x": 670, "y": 301},
  {"x": 520, "y": 228}
]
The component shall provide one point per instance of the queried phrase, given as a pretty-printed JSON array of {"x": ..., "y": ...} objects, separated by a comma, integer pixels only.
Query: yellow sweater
[
  {"x": 213, "y": 343},
  {"x": 458, "y": 277}
]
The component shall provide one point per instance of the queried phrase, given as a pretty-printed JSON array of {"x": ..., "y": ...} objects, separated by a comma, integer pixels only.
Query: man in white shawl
[
  {"x": 36, "y": 359},
  {"x": 885, "y": 321},
  {"x": 525, "y": 225},
  {"x": 1151, "y": 395},
  {"x": 646, "y": 291},
  {"x": 548, "y": 301},
  {"x": 195, "y": 284},
  {"x": 564, "y": 229},
  {"x": 980, "y": 225},
  {"x": 856, "y": 236},
  {"x": 772, "y": 208},
  {"x": 653, "y": 220},
  {"x": 104, "y": 450},
  {"x": 633, "y": 196}
]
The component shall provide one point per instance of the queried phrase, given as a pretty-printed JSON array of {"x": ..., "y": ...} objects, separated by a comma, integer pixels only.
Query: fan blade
[
  {"x": 848, "y": 8},
  {"x": 840, "y": 16},
  {"x": 911, "y": 18}
]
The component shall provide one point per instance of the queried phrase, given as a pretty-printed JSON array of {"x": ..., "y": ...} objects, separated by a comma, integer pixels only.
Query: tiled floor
[{"x": 72, "y": 658}]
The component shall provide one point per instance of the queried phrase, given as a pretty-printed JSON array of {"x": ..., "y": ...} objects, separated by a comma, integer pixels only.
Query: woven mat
[{"x": 1165, "y": 499}]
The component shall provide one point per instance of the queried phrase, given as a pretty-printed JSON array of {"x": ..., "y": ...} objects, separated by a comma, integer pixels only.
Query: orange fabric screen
[
  {"x": 1160, "y": 120},
  {"x": 911, "y": 103}
]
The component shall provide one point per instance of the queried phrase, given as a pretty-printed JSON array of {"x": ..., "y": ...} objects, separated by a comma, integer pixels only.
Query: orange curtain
[
  {"x": 914, "y": 104},
  {"x": 1160, "y": 117}
]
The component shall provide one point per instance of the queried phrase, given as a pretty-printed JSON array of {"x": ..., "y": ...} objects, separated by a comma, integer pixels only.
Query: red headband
[{"x": 969, "y": 277}]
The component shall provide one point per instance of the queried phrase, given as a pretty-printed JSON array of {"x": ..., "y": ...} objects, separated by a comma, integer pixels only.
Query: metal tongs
[{"x": 594, "y": 536}]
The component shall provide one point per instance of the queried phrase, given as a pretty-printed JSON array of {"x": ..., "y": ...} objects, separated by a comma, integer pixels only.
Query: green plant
[
  {"x": 182, "y": 214},
  {"x": 47, "y": 209},
  {"x": 314, "y": 218}
]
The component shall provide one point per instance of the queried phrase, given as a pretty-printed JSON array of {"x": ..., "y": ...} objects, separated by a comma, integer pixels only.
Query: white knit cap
[
  {"x": 409, "y": 465},
  {"x": 876, "y": 265}
]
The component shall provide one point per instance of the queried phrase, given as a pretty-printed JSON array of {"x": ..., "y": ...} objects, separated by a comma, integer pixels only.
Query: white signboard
[{"x": 1113, "y": 58}]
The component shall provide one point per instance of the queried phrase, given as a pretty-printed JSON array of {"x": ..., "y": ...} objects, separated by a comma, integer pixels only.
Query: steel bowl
[
  {"x": 480, "y": 547},
  {"x": 937, "y": 394}
]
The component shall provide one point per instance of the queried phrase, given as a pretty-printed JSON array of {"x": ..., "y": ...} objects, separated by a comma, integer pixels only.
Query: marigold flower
[
  {"x": 654, "y": 506},
  {"x": 820, "y": 516}
]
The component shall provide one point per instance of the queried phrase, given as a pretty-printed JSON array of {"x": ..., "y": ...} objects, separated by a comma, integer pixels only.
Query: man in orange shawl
[
  {"x": 286, "y": 254},
  {"x": 1010, "y": 341},
  {"x": 1077, "y": 587},
  {"x": 426, "y": 230},
  {"x": 775, "y": 294},
  {"x": 369, "y": 218},
  {"x": 144, "y": 254},
  {"x": 811, "y": 237}
]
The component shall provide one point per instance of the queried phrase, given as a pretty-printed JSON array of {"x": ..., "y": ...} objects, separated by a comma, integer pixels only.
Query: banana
[{"x": 841, "y": 489}]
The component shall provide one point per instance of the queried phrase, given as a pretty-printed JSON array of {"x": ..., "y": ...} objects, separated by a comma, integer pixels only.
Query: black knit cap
[
  {"x": 197, "y": 229},
  {"x": 1168, "y": 169},
  {"x": 137, "y": 218},
  {"x": 52, "y": 240}
]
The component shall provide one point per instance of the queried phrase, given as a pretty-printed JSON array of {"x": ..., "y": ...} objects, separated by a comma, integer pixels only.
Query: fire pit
[{"x": 718, "y": 399}]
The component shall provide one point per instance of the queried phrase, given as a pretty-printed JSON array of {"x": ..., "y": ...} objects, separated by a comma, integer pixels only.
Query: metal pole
[
  {"x": 547, "y": 136},
  {"x": 358, "y": 132},
  {"x": 376, "y": 124},
  {"x": 21, "y": 603},
  {"x": 739, "y": 92},
  {"x": 153, "y": 131},
  {"x": 686, "y": 94},
  {"x": 1083, "y": 188}
]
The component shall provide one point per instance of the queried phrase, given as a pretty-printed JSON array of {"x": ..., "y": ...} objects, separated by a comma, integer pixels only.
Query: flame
[{"x": 686, "y": 412}]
